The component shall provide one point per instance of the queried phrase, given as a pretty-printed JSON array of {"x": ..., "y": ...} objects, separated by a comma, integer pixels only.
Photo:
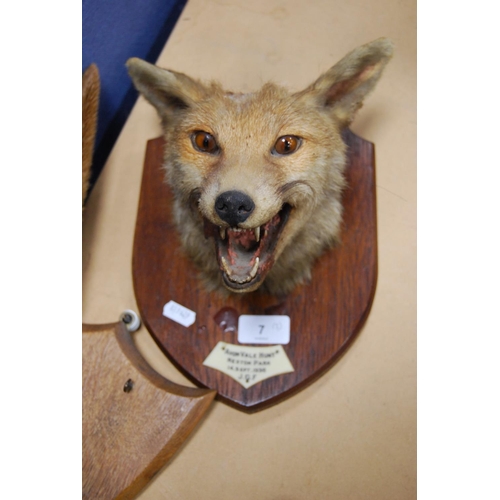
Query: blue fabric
[{"x": 113, "y": 31}]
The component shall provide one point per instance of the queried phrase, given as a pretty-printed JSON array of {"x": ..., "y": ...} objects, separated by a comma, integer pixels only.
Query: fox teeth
[
  {"x": 240, "y": 281},
  {"x": 256, "y": 232},
  {"x": 255, "y": 267},
  {"x": 226, "y": 267}
]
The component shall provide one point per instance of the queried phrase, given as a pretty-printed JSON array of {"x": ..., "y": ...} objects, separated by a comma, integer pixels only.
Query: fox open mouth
[{"x": 245, "y": 256}]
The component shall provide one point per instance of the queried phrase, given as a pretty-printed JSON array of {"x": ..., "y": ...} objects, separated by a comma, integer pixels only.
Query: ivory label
[{"x": 249, "y": 365}]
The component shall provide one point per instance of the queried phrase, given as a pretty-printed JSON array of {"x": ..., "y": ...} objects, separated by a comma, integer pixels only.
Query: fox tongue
[{"x": 242, "y": 253}]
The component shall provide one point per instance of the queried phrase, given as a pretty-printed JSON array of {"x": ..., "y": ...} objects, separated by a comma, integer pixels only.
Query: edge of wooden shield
[{"x": 326, "y": 314}]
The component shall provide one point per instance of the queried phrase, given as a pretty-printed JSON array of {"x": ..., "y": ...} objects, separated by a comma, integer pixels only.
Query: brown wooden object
[
  {"x": 134, "y": 419},
  {"x": 325, "y": 314}
]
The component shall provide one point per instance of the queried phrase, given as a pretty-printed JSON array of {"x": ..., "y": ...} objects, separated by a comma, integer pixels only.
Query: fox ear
[
  {"x": 166, "y": 90},
  {"x": 344, "y": 86}
]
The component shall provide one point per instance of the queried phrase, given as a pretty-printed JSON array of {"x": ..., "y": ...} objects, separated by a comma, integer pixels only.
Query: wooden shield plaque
[{"x": 325, "y": 314}]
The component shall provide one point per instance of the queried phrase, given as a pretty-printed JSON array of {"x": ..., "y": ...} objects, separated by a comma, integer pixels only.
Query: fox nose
[{"x": 234, "y": 207}]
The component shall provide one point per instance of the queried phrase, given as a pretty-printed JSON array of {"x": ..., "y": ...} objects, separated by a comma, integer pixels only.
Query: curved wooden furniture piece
[
  {"x": 134, "y": 419},
  {"x": 325, "y": 314}
]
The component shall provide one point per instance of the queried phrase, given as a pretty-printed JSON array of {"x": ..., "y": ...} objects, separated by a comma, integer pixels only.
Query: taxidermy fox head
[{"x": 261, "y": 174}]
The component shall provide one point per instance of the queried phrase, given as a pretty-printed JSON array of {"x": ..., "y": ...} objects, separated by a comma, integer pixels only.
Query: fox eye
[
  {"x": 204, "y": 142},
  {"x": 287, "y": 144}
]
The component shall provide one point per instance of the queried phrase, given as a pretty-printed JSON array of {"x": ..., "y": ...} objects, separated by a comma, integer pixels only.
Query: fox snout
[{"x": 234, "y": 207}]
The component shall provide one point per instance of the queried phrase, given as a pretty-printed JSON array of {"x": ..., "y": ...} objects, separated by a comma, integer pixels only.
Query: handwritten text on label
[
  {"x": 272, "y": 329},
  {"x": 179, "y": 314}
]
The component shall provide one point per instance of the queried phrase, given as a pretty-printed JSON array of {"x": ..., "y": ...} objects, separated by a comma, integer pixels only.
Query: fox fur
[
  {"x": 90, "y": 104},
  {"x": 260, "y": 173}
]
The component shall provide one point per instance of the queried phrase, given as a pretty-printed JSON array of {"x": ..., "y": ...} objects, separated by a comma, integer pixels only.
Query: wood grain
[
  {"x": 326, "y": 314},
  {"x": 134, "y": 419}
]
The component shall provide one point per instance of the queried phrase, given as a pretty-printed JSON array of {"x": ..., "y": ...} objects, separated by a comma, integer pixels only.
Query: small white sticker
[
  {"x": 263, "y": 329},
  {"x": 179, "y": 314},
  {"x": 249, "y": 365}
]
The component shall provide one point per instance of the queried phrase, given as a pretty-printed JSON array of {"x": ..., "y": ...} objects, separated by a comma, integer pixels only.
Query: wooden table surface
[{"x": 351, "y": 434}]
